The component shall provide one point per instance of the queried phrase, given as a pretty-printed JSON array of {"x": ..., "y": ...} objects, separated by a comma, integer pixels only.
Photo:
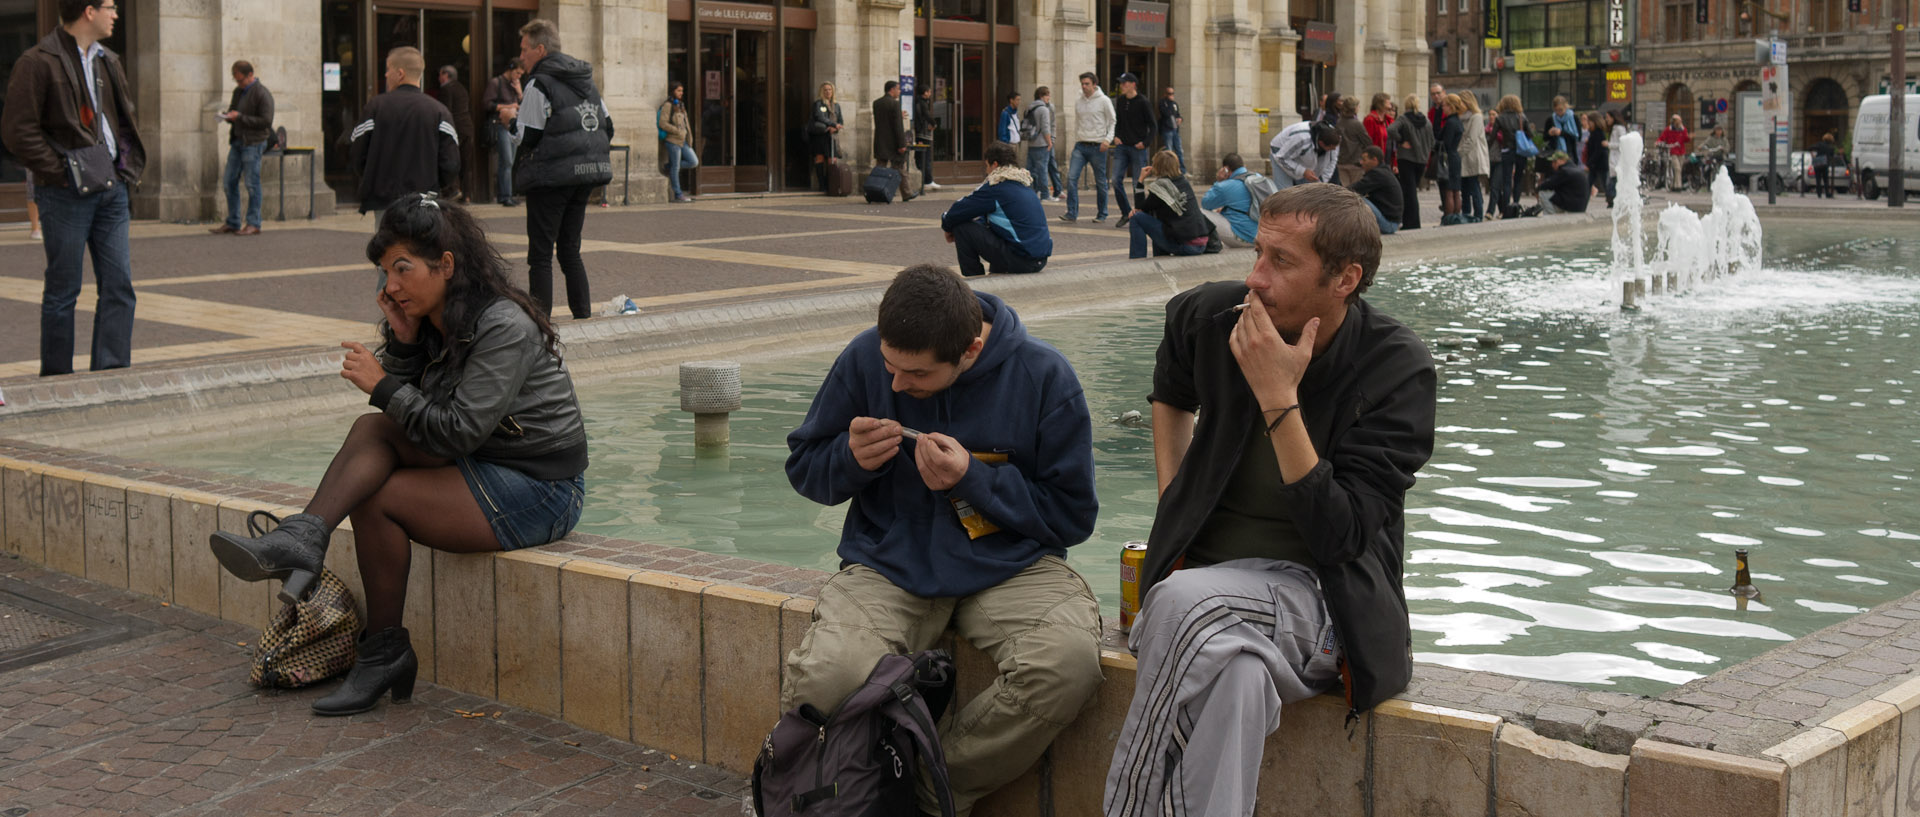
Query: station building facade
[{"x": 751, "y": 70}]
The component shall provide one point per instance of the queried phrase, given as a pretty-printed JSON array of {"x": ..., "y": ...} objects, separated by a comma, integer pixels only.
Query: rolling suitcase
[
  {"x": 882, "y": 183},
  {"x": 839, "y": 180}
]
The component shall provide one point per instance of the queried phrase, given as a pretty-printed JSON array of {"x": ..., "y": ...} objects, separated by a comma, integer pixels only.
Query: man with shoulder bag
[{"x": 69, "y": 120}]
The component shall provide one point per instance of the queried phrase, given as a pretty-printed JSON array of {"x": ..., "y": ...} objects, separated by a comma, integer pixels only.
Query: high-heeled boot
[
  {"x": 384, "y": 661},
  {"x": 292, "y": 552}
]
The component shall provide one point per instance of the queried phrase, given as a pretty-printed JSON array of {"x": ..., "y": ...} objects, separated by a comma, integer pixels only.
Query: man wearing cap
[
  {"x": 1133, "y": 129},
  {"x": 1564, "y": 190},
  {"x": 1305, "y": 152}
]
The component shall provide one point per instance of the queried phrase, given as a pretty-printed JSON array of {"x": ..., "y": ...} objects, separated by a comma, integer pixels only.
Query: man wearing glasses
[{"x": 69, "y": 99}]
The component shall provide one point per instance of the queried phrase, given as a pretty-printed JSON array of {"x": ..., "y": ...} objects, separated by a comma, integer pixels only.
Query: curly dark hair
[{"x": 429, "y": 227}]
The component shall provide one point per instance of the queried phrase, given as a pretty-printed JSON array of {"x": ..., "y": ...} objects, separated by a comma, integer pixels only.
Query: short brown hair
[
  {"x": 1166, "y": 164},
  {"x": 1344, "y": 229},
  {"x": 929, "y": 308},
  {"x": 408, "y": 60},
  {"x": 243, "y": 68},
  {"x": 542, "y": 32}
]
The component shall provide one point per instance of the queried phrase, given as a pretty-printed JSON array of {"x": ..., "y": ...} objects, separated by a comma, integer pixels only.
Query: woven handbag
[{"x": 310, "y": 641}]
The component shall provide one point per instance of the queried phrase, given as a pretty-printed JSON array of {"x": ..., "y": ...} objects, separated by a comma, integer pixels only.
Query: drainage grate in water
[{"x": 20, "y": 629}]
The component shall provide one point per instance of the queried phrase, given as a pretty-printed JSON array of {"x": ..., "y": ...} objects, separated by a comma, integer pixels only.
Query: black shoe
[
  {"x": 292, "y": 552},
  {"x": 383, "y": 661},
  {"x": 1123, "y": 221},
  {"x": 1068, "y": 219},
  {"x": 509, "y": 202}
]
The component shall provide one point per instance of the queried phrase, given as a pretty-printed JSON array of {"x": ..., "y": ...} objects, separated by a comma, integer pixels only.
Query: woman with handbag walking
[{"x": 479, "y": 445}]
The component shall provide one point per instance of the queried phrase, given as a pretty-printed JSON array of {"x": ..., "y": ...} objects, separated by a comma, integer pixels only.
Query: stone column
[
  {"x": 281, "y": 39},
  {"x": 626, "y": 42},
  {"x": 1414, "y": 57},
  {"x": 179, "y": 82},
  {"x": 1220, "y": 111}
]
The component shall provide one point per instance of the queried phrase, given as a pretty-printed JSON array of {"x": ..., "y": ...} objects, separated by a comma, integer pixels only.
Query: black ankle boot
[
  {"x": 385, "y": 661},
  {"x": 292, "y": 552}
]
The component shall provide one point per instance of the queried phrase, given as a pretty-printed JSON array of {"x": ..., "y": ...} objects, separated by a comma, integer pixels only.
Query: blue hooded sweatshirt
[
  {"x": 1012, "y": 210},
  {"x": 1020, "y": 401}
]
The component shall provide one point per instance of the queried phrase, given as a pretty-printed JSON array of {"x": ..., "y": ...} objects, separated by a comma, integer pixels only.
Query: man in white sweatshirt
[
  {"x": 1305, "y": 152},
  {"x": 1092, "y": 134}
]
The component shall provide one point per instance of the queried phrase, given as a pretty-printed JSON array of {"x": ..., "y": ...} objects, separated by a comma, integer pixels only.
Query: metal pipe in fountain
[{"x": 710, "y": 389}]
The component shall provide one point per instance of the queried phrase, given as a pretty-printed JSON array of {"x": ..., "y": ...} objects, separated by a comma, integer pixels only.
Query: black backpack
[{"x": 863, "y": 759}]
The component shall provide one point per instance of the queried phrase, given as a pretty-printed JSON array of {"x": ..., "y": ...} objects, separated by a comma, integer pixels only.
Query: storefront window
[
  {"x": 970, "y": 10},
  {"x": 1560, "y": 24}
]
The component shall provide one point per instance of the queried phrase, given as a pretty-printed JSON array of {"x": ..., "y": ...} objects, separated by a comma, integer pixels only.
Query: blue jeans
[
  {"x": 1039, "y": 159},
  {"x": 1085, "y": 154},
  {"x": 503, "y": 172},
  {"x": 247, "y": 158},
  {"x": 1170, "y": 139},
  {"x": 1144, "y": 227},
  {"x": 1386, "y": 227},
  {"x": 1473, "y": 198},
  {"x": 679, "y": 157},
  {"x": 74, "y": 224},
  {"x": 1128, "y": 161}
]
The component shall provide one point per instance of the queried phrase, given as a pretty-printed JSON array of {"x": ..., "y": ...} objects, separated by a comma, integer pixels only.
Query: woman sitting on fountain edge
[{"x": 479, "y": 445}]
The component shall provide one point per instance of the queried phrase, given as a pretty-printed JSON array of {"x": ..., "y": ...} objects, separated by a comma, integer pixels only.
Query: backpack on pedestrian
[
  {"x": 863, "y": 759},
  {"x": 1029, "y": 129},
  {"x": 1258, "y": 189}
]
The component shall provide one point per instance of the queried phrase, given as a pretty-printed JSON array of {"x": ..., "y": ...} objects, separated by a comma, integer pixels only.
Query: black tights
[{"x": 396, "y": 493}]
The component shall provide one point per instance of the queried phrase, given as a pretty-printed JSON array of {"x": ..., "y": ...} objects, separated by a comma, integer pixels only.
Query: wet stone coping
[{"x": 1743, "y": 710}]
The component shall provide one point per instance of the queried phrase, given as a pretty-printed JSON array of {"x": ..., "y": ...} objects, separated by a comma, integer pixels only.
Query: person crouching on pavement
[
  {"x": 1566, "y": 189},
  {"x": 1169, "y": 214},
  {"x": 964, "y": 523},
  {"x": 1001, "y": 221},
  {"x": 1382, "y": 193},
  {"x": 1283, "y": 508},
  {"x": 478, "y": 445}
]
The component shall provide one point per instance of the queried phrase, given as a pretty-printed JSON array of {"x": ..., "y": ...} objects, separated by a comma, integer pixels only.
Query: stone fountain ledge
[{"x": 682, "y": 650}]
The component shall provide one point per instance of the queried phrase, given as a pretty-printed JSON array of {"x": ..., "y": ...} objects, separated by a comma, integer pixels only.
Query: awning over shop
[{"x": 1527, "y": 60}]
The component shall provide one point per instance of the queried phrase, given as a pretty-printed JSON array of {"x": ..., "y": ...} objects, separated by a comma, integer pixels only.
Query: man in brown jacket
[
  {"x": 250, "y": 112},
  {"x": 890, "y": 135},
  {"x": 69, "y": 97}
]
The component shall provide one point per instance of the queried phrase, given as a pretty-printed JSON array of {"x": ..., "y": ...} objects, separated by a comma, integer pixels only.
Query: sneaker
[
  {"x": 1122, "y": 222},
  {"x": 35, "y": 235},
  {"x": 683, "y": 198},
  {"x": 1099, "y": 219},
  {"x": 1068, "y": 218},
  {"x": 931, "y": 185},
  {"x": 1053, "y": 198}
]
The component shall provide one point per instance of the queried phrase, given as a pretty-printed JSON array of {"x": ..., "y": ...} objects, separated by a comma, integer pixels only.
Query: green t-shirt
[{"x": 1249, "y": 521}]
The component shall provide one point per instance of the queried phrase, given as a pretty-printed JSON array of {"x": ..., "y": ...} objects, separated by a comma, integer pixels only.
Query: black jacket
[
  {"x": 1368, "y": 404},
  {"x": 572, "y": 145},
  {"x": 1133, "y": 120},
  {"x": 459, "y": 104},
  {"x": 509, "y": 402},
  {"x": 406, "y": 137},
  {"x": 1169, "y": 115},
  {"x": 889, "y": 130},
  {"x": 1569, "y": 188},
  {"x": 255, "y": 123},
  {"x": 1183, "y": 228},
  {"x": 42, "y": 114},
  {"x": 1380, "y": 187}
]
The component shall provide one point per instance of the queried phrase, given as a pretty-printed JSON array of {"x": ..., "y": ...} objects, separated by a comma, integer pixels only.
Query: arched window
[
  {"x": 1679, "y": 102},
  {"x": 1823, "y": 111}
]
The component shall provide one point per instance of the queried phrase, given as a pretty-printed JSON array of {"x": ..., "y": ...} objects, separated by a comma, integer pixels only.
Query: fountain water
[{"x": 1690, "y": 249}]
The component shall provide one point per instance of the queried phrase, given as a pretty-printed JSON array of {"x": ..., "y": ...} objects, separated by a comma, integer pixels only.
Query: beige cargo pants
[{"x": 1041, "y": 628}]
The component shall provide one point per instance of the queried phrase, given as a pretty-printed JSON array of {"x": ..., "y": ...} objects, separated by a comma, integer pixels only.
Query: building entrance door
[
  {"x": 733, "y": 99},
  {"x": 960, "y": 109}
]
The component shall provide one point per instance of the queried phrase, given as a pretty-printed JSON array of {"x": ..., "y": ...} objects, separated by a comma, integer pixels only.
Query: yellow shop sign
[{"x": 1544, "y": 59}]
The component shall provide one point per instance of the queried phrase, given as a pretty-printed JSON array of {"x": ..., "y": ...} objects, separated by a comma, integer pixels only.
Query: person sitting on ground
[
  {"x": 964, "y": 523},
  {"x": 1304, "y": 152},
  {"x": 1229, "y": 201},
  {"x": 999, "y": 222},
  {"x": 1283, "y": 506},
  {"x": 1169, "y": 214},
  {"x": 1380, "y": 190},
  {"x": 1566, "y": 189},
  {"x": 478, "y": 446}
]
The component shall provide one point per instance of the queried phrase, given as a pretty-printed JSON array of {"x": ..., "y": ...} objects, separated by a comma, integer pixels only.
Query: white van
[{"x": 1870, "y": 144}]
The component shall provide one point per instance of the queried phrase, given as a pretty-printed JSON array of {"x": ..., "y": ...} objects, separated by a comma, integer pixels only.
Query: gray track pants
[{"x": 1220, "y": 649}]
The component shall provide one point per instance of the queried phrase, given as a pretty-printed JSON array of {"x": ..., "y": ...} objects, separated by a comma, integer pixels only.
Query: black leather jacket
[{"x": 510, "y": 402}]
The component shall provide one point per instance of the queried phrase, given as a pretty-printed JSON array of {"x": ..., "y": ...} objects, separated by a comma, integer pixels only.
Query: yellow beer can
[{"x": 1132, "y": 559}]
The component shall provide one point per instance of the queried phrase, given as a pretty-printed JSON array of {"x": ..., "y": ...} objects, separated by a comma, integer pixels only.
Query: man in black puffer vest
[{"x": 563, "y": 132}]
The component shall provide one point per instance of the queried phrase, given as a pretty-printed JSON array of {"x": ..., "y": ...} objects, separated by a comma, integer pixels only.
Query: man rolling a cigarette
[{"x": 963, "y": 523}]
